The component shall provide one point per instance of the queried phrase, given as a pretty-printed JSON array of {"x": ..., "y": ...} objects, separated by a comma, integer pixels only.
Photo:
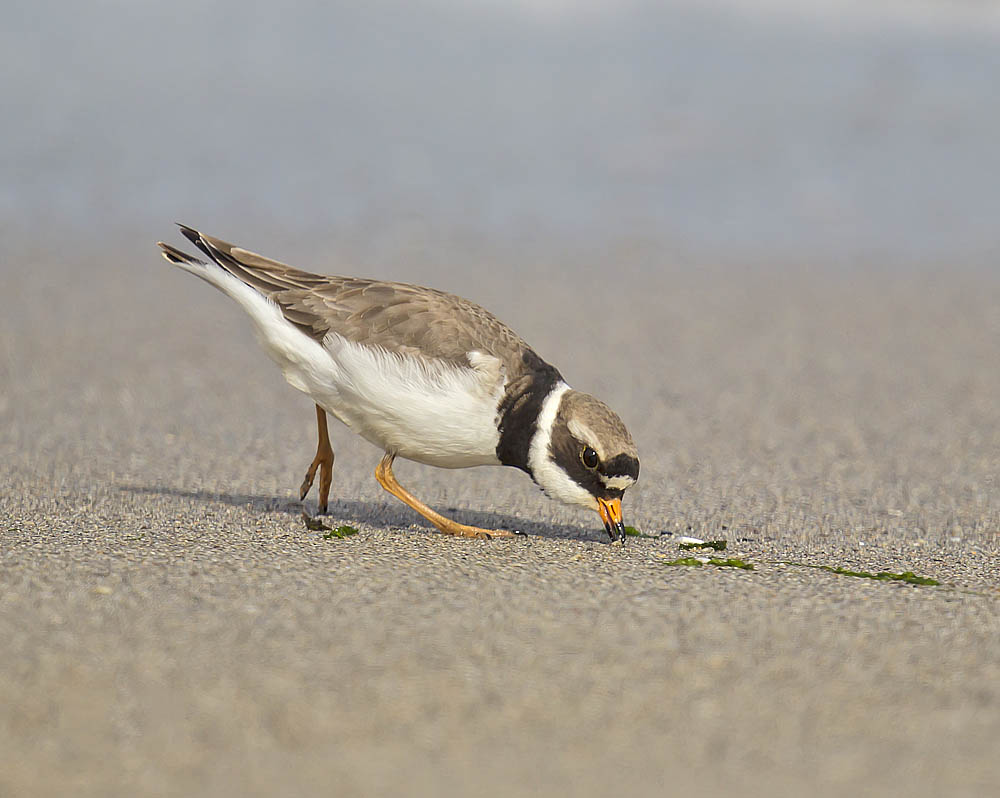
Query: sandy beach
[{"x": 170, "y": 626}]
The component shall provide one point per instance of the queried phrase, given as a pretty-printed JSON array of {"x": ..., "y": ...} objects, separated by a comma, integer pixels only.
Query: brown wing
[{"x": 398, "y": 317}]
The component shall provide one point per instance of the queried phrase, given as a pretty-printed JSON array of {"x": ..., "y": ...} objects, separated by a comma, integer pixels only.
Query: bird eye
[{"x": 590, "y": 458}]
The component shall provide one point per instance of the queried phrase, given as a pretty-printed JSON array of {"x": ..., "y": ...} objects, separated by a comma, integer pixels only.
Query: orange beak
[{"x": 611, "y": 515}]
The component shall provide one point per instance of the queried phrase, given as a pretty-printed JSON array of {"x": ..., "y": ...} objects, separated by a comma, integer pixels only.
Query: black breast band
[{"x": 519, "y": 409}]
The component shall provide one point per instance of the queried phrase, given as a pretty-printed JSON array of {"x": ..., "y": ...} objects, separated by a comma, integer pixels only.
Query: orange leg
[
  {"x": 323, "y": 461},
  {"x": 385, "y": 477}
]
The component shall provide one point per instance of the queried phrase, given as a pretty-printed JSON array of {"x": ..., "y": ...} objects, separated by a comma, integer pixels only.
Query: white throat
[{"x": 549, "y": 476}]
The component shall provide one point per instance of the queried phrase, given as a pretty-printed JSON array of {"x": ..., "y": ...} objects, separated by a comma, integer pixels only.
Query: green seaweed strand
[
  {"x": 732, "y": 562},
  {"x": 714, "y": 545},
  {"x": 906, "y": 576}
]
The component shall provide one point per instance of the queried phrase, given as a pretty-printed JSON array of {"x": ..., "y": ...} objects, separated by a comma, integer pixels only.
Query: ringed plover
[{"x": 424, "y": 375}]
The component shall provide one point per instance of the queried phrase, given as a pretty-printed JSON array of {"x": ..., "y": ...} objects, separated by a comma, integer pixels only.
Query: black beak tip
[{"x": 616, "y": 531}]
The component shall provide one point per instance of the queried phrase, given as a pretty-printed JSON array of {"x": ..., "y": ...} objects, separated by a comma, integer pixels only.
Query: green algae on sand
[
  {"x": 884, "y": 576},
  {"x": 732, "y": 562},
  {"x": 315, "y": 525},
  {"x": 714, "y": 545},
  {"x": 632, "y": 532},
  {"x": 340, "y": 532}
]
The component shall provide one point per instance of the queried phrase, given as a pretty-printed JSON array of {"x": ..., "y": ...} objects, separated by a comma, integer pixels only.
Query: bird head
[{"x": 582, "y": 454}]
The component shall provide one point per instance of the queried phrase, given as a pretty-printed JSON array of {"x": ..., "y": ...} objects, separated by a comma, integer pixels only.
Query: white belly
[
  {"x": 434, "y": 413},
  {"x": 429, "y": 411}
]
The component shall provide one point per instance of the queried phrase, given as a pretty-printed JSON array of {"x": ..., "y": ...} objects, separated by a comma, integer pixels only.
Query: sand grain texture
[{"x": 169, "y": 626}]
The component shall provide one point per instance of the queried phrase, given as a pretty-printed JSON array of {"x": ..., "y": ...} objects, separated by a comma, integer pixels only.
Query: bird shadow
[{"x": 374, "y": 513}]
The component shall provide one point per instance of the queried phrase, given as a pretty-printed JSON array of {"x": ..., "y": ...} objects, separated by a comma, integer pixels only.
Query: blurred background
[
  {"x": 794, "y": 210},
  {"x": 833, "y": 132}
]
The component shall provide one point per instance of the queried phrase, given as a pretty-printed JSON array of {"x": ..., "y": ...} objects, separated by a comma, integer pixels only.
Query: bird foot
[
  {"x": 322, "y": 461},
  {"x": 388, "y": 481}
]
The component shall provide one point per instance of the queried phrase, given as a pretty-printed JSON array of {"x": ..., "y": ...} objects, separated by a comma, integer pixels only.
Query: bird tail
[
  {"x": 176, "y": 257},
  {"x": 211, "y": 272}
]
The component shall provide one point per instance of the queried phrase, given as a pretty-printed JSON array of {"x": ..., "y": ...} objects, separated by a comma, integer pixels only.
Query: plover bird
[{"x": 427, "y": 376}]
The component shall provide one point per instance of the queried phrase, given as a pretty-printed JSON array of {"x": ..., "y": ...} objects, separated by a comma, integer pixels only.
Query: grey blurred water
[{"x": 734, "y": 131}]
